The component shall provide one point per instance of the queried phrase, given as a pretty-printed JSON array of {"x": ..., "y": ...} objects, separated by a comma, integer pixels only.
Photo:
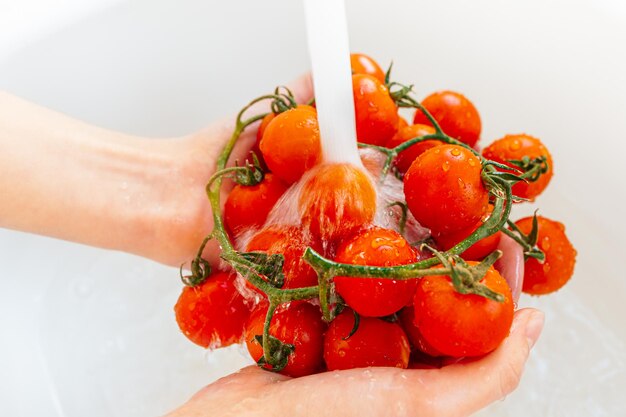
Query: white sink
[{"x": 91, "y": 332}]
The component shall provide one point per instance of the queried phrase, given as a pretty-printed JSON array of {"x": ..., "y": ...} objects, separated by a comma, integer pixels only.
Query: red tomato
[
  {"x": 479, "y": 250},
  {"x": 291, "y": 143},
  {"x": 363, "y": 64},
  {"x": 515, "y": 147},
  {"x": 375, "y": 343},
  {"x": 248, "y": 206},
  {"x": 444, "y": 189},
  {"x": 375, "y": 297},
  {"x": 291, "y": 242},
  {"x": 406, "y": 317},
  {"x": 200, "y": 312},
  {"x": 456, "y": 115},
  {"x": 375, "y": 111},
  {"x": 298, "y": 324},
  {"x": 336, "y": 200},
  {"x": 560, "y": 260},
  {"x": 256, "y": 148},
  {"x": 461, "y": 325},
  {"x": 402, "y": 123},
  {"x": 405, "y": 158}
]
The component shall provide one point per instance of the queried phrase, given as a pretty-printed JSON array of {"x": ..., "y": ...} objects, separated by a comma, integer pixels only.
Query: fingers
[{"x": 465, "y": 388}]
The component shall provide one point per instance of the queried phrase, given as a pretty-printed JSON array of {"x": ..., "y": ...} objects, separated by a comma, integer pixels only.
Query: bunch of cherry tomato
[{"x": 332, "y": 288}]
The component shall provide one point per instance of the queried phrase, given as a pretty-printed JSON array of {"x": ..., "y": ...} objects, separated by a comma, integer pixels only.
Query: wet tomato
[
  {"x": 406, "y": 318},
  {"x": 200, "y": 312},
  {"x": 363, "y": 64},
  {"x": 478, "y": 250},
  {"x": 375, "y": 297},
  {"x": 297, "y": 324},
  {"x": 336, "y": 200},
  {"x": 444, "y": 189},
  {"x": 405, "y": 158},
  {"x": 558, "y": 266},
  {"x": 248, "y": 206},
  {"x": 291, "y": 242},
  {"x": 375, "y": 343},
  {"x": 375, "y": 111},
  {"x": 515, "y": 147},
  {"x": 291, "y": 143},
  {"x": 461, "y": 325},
  {"x": 456, "y": 115}
]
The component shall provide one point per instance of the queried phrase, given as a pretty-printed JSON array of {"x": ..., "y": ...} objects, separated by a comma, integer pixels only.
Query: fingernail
[{"x": 534, "y": 327}]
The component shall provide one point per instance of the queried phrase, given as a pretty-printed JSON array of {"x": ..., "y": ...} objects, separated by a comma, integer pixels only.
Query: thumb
[{"x": 490, "y": 378}]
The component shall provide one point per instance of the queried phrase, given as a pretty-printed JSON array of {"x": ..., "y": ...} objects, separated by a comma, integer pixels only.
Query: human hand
[
  {"x": 195, "y": 157},
  {"x": 458, "y": 389}
]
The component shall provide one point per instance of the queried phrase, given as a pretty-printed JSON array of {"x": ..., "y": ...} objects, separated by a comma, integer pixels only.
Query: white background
[{"x": 90, "y": 332}]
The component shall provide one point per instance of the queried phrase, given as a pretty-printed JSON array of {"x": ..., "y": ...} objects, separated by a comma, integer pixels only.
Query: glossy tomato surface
[
  {"x": 516, "y": 147},
  {"x": 298, "y": 324},
  {"x": 375, "y": 297},
  {"x": 405, "y": 158},
  {"x": 375, "y": 111},
  {"x": 291, "y": 143},
  {"x": 375, "y": 343},
  {"x": 444, "y": 189},
  {"x": 212, "y": 314},
  {"x": 364, "y": 64},
  {"x": 456, "y": 115},
  {"x": 461, "y": 325},
  {"x": 248, "y": 206},
  {"x": 558, "y": 267}
]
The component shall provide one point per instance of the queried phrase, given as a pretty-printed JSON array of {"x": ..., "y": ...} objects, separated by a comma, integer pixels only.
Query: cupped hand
[
  {"x": 195, "y": 157},
  {"x": 458, "y": 389}
]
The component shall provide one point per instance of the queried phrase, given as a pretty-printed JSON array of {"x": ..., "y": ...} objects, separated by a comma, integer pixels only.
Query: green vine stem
[{"x": 466, "y": 278}]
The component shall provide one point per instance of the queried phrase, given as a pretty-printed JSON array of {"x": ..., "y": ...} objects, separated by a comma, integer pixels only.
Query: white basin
[{"x": 91, "y": 332}]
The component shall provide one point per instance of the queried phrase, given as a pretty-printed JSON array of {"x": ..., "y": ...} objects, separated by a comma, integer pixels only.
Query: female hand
[{"x": 456, "y": 390}]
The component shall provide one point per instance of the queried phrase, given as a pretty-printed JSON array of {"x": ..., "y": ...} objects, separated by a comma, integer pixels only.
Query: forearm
[{"x": 67, "y": 179}]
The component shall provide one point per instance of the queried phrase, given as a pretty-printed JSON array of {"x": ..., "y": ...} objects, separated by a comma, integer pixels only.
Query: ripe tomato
[
  {"x": 444, "y": 189},
  {"x": 479, "y": 250},
  {"x": 248, "y": 206},
  {"x": 515, "y": 147},
  {"x": 405, "y": 158},
  {"x": 375, "y": 343},
  {"x": 336, "y": 200},
  {"x": 406, "y": 319},
  {"x": 376, "y": 113},
  {"x": 558, "y": 266},
  {"x": 298, "y": 324},
  {"x": 375, "y": 297},
  {"x": 363, "y": 64},
  {"x": 291, "y": 242},
  {"x": 456, "y": 115},
  {"x": 200, "y": 312},
  {"x": 256, "y": 148},
  {"x": 291, "y": 143},
  {"x": 402, "y": 123},
  {"x": 461, "y": 325}
]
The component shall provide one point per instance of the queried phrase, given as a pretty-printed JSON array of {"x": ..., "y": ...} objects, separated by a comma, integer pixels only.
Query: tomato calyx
[
  {"x": 527, "y": 241},
  {"x": 533, "y": 168},
  {"x": 200, "y": 268},
  {"x": 279, "y": 352},
  {"x": 268, "y": 265},
  {"x": 466, "y": 278},
  {"x": 283, "y": 100}
]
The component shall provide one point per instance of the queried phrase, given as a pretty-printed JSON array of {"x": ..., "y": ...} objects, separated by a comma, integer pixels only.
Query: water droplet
[
  {"x": 546, "y": 267},
  {"x": 341, "y": 353},
  {"x": 515, "y": 145},
  {"x": 472, "y": 162},
  {"x": 461, "y": 183},
  {"x": 545, "y": 243},
  {"x": 445, "y": 166},
  {"x": 455, "y": 152}
]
